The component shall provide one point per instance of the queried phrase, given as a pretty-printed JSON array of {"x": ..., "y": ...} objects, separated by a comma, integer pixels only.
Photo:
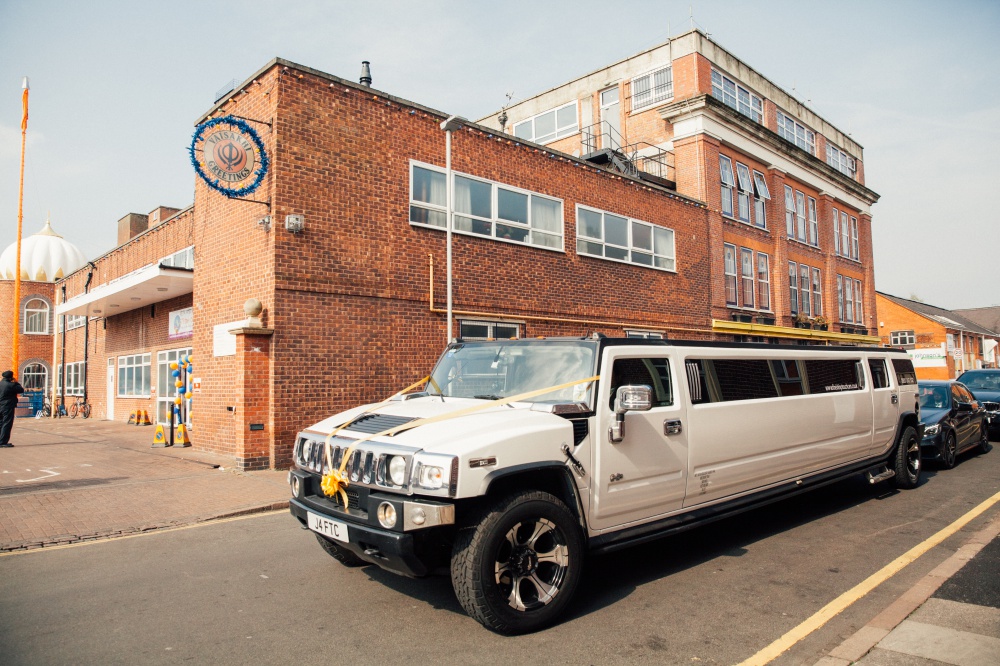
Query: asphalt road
[{"x": 259, "y": 590}]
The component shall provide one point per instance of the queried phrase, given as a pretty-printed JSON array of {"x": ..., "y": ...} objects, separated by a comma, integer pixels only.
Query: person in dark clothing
[{"x": 9, "y": 390}]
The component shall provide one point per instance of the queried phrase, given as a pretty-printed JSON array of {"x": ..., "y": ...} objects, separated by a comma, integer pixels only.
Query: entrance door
[
  {"x": 166, "y": 385},
  {"x": 110, "y": 392},
  {"x": 611, "y": 121},
  {"x": 644, "y": 475}
]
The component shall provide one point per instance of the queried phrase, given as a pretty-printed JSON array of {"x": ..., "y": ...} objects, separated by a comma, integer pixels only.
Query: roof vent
[{"x": 366, "y": 74}]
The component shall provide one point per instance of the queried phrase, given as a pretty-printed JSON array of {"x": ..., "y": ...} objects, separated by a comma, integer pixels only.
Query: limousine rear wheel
[
  {"x": 907, "y": 459},
  {"x": 516, "y": 565}
]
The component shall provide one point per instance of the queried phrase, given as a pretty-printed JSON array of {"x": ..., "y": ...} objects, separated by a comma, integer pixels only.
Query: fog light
[
  {"x": 294, "y": 482},
  {"x": 387, "y": 515},
  {"x": 418, "y": 516}
]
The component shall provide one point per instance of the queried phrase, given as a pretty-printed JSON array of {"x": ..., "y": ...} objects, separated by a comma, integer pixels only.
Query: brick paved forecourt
[{"x": 73, "y": 480}]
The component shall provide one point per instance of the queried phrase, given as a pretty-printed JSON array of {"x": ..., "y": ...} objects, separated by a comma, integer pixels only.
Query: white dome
[{"x": 45, "y": 257}]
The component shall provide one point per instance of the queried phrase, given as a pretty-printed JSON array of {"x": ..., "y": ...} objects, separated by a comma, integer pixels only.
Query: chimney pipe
[{"x": 366, "y": 74}]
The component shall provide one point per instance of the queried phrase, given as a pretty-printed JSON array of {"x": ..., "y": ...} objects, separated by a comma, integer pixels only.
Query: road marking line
[
  {"x": 49, "y": 474},
  {"x": 91, "y": 542},
  {"x": 838, "y": 605}
]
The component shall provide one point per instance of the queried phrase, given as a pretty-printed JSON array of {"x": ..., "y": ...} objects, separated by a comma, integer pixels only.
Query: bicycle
[
  {"x": 46, "y": 410},
  {"x": 79, "y": 407}
]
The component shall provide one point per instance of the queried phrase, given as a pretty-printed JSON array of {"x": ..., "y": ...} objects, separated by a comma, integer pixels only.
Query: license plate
[{"x": 330, "y": 528}]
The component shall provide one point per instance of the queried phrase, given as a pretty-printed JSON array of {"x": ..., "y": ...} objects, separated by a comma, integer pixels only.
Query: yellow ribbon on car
[{"x": 335, "y": 481}]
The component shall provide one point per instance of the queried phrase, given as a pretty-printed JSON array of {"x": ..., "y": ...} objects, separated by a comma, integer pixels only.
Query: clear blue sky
[{"x": 116, "y": 87}]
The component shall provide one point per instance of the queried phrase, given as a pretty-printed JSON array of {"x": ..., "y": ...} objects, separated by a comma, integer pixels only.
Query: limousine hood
[{"x": 461, "y": 425}]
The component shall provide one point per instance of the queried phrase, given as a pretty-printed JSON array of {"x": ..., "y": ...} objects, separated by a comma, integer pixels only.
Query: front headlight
[
  {"x": 932, "y": 430},
  {"x": 397, "y": 470},
  {"x": 435, "y": 473}
]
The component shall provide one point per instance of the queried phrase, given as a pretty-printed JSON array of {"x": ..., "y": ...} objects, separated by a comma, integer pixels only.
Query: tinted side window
[
  {"x": 904, "y": 371},
  {"x": 830, "y": 376},
  {"x": 653, "y": 372},
  {"x": 788, "y": 377},
  {"x": 744, "y": 379},
  {"x": 880, "y": 377}
]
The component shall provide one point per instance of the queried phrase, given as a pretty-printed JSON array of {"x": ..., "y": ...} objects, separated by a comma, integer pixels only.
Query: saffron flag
[{"x": 24, "y": 117}]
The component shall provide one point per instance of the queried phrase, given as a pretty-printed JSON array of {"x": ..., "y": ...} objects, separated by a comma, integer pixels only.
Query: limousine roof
[{"x": 604, "y": 341}]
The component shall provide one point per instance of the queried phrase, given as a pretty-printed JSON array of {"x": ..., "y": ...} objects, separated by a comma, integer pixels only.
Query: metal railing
[{"x": 629, "y": 159}]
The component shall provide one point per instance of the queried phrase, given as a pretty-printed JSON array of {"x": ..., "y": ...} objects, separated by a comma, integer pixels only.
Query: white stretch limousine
[{"x": 519, "y": 456}]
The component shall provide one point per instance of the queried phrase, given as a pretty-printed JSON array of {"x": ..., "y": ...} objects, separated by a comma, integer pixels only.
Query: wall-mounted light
[
  {"x": 265, "y": 223},
  {"x": 295, "y": 223}
]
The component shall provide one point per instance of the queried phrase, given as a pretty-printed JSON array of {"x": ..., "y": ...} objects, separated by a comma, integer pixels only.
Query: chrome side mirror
[{"x": 630, "y": 398}]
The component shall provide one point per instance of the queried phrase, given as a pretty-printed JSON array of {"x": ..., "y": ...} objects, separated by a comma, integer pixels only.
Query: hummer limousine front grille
[{"x": 364, "y": 466}]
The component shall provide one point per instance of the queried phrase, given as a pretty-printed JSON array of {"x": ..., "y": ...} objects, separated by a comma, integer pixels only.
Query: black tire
[
  {"x": 86, "y": 411},
  {"x": 984, "y": 440},
  {"x": 73, "y": 409},
  {"x": 498, "y": 576},
  {"x": 949, "y": 453},
  {"x": 339, "y": 553},
  {"x": 907, "y": 463}
]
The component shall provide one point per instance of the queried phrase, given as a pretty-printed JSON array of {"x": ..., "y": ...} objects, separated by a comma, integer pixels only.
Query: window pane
[
  {"x": 546, "y": 215},
  {"x": 642, "y": 258},
  {"x": 615, "y": 230},
  {"x": 473, "y": 197},
  {"x": 512, "y": 206},
  {"x": 566, "y": 117},
  {"x": 642, "y": 236},
  {"x": 508, "y": 232},
  {"x": 436, "y": 218},
  {"x": 663, "y": 241},
  {"x": 545, "y": 125},
  {"x": 546, "y": 240},
  {"x": 523, "y": 130},
  {"x": 589, "y": 223},
  {"x": 429, "y": 187},
  {"x": 587, "y": 247}
]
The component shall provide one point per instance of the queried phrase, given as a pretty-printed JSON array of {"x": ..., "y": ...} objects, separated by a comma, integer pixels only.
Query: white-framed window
[
  {"x": 854, "y": 239},
  {"x": 133, "y": 376},
  {"x": 841, "y": 161},
  {"x": 817, "y": 292},
  {"x": 75, "y": 321},
  {"x": 74, "y": 378},
  {"x": 745, "y": 191},
  {"x": 476, "y": 329},
  {"x": 428, "y": 196},
  {"x": 618, "y": 238},
  {"x": 845, "y": 235},
  {"x": 813, "y": 224},
  {"x": 761, "y": 194},
  {"x": 793, "y": 287},
  {"x": 789, "y": 212},
  {"x": 728, "y": 183},
  {"x": 902, "y": 338},
  {"x": 763, "y": 282},
  {"x": 850, "y": 300},
  {"x": 729, "y": 258},
  {"x": 805, "y": 294},
  {"x": 550, "y": 125},
  {"x": 800, "y": 215},
  {"x": 746, "y": 276},
  {"x": 836, "y": 231},
  {"x": 652, "y": 87},
  {"x": 732, "y": 94},
  {"x": 35, "y": 377},
  {"x": 486, "y": 208},
  {"x": 180, "y": 259},
  {"x": 36, "y": 317},
  {"x": 644, "y": 335},
  {"x": 791, "y": 130}
]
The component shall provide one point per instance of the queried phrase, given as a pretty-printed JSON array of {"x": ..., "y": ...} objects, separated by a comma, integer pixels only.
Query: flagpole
[{"x": 20, "y": 218}]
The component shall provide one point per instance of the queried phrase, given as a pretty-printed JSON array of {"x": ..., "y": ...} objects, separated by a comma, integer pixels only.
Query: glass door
[{"x": 166, "y": 389}]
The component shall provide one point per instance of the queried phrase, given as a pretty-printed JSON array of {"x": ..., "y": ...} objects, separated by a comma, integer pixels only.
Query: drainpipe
[{"x": 86, "y": 334}]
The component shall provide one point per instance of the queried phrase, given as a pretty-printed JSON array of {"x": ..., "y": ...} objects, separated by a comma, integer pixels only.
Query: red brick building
[
  {"x": 344, "y": 246},
  {"x": 789, "y": 239}
]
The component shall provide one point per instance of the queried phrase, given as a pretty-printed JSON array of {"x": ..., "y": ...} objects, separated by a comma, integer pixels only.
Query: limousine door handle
[
  {"x": 671, "y": 427},
  {"x": 895, "y": 399}
]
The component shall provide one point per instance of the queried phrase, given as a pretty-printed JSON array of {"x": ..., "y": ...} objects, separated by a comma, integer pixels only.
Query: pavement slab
[{"x": 71, "y": 480}]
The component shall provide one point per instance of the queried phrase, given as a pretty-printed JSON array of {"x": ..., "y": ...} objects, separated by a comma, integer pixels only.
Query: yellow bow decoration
[{"x": 334, "y": 482}]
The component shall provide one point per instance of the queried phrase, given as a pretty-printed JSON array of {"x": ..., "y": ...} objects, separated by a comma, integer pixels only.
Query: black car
[
  {"x": 985, "y": 385},
  {"x": 953, "y": 421}
]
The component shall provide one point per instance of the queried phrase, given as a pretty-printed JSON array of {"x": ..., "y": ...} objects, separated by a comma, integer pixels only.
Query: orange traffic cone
[{"x": 142, "y": 418}]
